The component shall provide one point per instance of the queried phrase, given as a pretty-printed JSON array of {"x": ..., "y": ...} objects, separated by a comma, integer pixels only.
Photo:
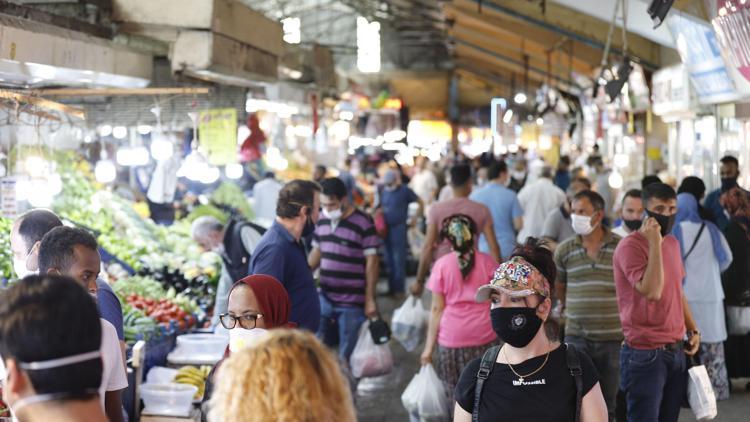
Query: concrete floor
[{"x": 379, "y": 399}]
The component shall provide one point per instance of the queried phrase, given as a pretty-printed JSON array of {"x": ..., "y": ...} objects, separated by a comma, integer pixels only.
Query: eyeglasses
[{"x": 246, "y": 321}]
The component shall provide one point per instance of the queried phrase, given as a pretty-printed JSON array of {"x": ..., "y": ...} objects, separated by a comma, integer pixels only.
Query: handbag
[{"x": 381, "y": 227}]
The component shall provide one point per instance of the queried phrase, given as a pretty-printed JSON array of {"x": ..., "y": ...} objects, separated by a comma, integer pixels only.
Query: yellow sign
[
  {"x": 217, "y": 130},
  {"x": 654, "y": 153}
]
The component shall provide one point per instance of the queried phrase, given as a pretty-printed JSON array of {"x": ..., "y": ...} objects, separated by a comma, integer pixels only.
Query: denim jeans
[
  {"x": 654, "y": 381},
  {"x": 395, "y": 255},
  {"x": 339, "y": 326},
  {"x": 606, "y": 358}
]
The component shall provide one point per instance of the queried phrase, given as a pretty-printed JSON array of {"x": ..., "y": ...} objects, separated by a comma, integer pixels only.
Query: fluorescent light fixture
[
  {"x": 368, "y": 46},
  {"x": 292, "y": 30},
  {"x": 615, "y": 180},
  {"x": 520, "y": 98},
  {"x": 105, "y": 130},
  {"x": 144, "y": 129},
  {"x": 539, "y": 121},
  {"x": 508, "y": 116},
  {"x": 120, "y": 132}
]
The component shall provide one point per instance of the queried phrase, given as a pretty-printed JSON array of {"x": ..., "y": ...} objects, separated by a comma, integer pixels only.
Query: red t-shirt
[
  {"x": 442, "y": 210},
  {"x": 649, "y": 324}
]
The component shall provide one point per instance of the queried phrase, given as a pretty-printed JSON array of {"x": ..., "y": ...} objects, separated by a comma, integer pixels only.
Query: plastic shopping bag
[
  {"x": 738, "y": 320},
  {"x": 425, "y": 397},
  {"x": 369, "y": 359},
  {"x": 410, "y": 323},
  {"x": 701, "y": 394}
]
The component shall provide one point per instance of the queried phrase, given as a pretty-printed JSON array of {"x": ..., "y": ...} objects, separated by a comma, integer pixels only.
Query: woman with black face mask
[{"x": 530, "y": 378}]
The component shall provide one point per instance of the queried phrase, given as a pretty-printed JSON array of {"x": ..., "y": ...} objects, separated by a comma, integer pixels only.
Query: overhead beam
[
  {"x": 114, "y": 92},
  {"x": 528, "y": 37},
  {"x": 474, "y": 52},
  {"x": 563, "y": 21},
  {"x": 560, "y": 63},
  {"x": 42, "y": 103}
]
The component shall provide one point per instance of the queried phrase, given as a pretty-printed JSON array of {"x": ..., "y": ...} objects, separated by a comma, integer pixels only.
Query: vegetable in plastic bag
[
  {"x": 410, "y": 323},
  {"x": 701, "y": 394},
  {"x": 425, "y": 397},
  {"x": 369, "y": 359}
]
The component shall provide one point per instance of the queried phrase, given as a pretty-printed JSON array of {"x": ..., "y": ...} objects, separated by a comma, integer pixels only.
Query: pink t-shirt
[
  {"x": 649, "y": 324},
  {"x": 442, "y": 210},
  {"x": 465, "y": 323}
]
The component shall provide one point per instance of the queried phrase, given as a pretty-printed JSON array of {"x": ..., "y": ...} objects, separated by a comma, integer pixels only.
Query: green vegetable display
[{"x": 6, "y": 256}]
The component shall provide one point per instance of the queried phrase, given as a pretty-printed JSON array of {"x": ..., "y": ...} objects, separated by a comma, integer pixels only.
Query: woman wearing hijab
[
  {"x": 529, "y": 378},
  {"x": 736, "y": 281},
  {"x": 458, "y": 325},
  {"x": 706, "y": 255},
  {"x": 257, "y": 303}
]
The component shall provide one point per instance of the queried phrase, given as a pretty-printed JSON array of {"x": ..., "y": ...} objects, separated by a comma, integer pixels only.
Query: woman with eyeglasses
[
  {"x": 531, "y": 377},
  {"x": 257, "y": 303}
]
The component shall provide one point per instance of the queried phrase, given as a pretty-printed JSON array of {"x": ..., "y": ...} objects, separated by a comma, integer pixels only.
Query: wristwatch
[{"x": 691, "y": 333}]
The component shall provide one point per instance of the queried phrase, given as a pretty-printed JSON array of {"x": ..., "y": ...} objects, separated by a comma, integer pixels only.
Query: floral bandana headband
[{"x": 516, "y": 278}]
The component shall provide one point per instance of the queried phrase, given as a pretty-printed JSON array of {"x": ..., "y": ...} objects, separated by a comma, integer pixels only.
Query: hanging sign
[
  {"x": 671, "y": 91},
  {"x": 731, "y": 20},
  {"x": 700, "y": 53},
  {"x": 217, "y": 130}
]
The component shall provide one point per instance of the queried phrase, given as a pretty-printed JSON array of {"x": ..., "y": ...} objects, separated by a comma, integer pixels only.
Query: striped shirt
[
  {"x": 590, "y": 300},
  {"x": 344, "y": 248}
]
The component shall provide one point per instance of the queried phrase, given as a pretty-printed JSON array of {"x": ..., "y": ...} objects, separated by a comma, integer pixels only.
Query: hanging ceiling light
[
  {"x": 233, "y": 171},
  {"x": 120, "y": 132},
  {"x": 105, "y": 171},
  {"x": 161, "y": 147},
  {"x": 132, "y": 156},
  {"x": 520, "y": 98}
]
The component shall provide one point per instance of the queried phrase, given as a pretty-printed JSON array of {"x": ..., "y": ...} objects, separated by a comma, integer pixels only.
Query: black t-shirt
[{"x": 548, "y": 395}]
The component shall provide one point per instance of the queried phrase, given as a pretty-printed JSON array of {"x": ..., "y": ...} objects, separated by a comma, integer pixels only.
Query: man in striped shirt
[
  {"x": 345, "y": 248},
  {"x": 586, "y": 290}
]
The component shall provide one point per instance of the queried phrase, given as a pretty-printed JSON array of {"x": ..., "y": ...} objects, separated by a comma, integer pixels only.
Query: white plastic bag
[
  {"x": 369, "y": 359},
  {"x": 738, "y": 320},
  {"x": 410, "y": 323},
  {"x": 425, "y": 397},
  {"x": 701, "y": 394}
]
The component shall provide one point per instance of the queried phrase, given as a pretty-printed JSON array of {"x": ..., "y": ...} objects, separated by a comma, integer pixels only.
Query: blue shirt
[
  {"x": 279, "y": 255},
  {"x": 712, "y": 204},
  {"x": 349, "y": 182},
  {"x": 396, "y": 204},
  {"x": 109, "y": 306},
  {"x": 504, "y": 207}
]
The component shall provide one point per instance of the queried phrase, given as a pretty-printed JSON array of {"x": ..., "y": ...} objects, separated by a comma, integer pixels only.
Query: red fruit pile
[{"x": 162, "y": 311}]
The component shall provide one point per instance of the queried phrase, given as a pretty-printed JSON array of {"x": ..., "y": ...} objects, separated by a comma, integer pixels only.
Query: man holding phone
[{"x": 657, "y": 323}]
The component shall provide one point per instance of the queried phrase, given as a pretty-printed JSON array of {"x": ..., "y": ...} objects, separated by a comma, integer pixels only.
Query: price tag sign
[
  {"x": 8, "y": 202},
  {"x": 217, "y": 131}
]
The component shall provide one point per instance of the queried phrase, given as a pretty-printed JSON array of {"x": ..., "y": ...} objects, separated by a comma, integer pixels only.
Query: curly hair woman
[{"x": 288, "y": 376}]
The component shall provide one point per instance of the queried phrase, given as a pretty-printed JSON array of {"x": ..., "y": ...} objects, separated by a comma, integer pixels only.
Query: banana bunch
[{"x": 192, "y": 375}]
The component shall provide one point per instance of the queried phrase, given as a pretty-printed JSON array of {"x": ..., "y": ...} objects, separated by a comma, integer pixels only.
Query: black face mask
[
  {"x": 728, "y": 183},
  {"x": 633, "y": 225},
  {"x": 515, "y": 326},
  {"x": 666, "y": 222}
]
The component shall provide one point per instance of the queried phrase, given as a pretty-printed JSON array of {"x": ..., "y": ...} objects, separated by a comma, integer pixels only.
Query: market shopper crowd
[{"x": 547, "y": 302}]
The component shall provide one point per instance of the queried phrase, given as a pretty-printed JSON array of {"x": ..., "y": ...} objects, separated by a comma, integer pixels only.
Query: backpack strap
[
  {"x": 485, "y": 368},
  {"x": 695, "y": 242},
  {"x": 574, "y": 365}
]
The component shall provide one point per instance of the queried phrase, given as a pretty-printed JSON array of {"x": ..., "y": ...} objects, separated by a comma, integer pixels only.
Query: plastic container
[
  {"x": 198, "y": 349},
  {"x": 168, "y": 399}
]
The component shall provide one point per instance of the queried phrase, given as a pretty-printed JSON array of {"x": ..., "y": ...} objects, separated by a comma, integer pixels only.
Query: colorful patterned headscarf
[{"x": 460, "y": 230}]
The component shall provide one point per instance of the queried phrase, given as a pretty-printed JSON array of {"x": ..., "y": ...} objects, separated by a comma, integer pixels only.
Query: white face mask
[
  {"x": 518, "y": 175},
  {"x": 581, "y": 224},
  {"x": 19, "y": 266},
  {"x": 334, "y": 215},
  {"x": 19, "y": 404},
  {"x": 240, "y": 338}
]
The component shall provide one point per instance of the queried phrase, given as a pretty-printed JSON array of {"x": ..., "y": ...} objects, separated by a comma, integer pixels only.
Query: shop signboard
[
  {"x": 671, "y": 92},
  {"x": 8, "y": 201},
  {"x": 218, "y": 135},
  {"x": 731, "y": 23},
  {"x": 698, "y": 47}
]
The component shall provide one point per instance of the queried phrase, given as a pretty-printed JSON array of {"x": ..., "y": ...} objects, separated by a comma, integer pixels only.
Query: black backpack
[
  {"x": 236, "y": 258},
  {"x": 488, "y": 362}
]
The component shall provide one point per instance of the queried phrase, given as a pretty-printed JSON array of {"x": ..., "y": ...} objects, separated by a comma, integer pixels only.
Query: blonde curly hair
[{"x": 288, "y": 376}]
